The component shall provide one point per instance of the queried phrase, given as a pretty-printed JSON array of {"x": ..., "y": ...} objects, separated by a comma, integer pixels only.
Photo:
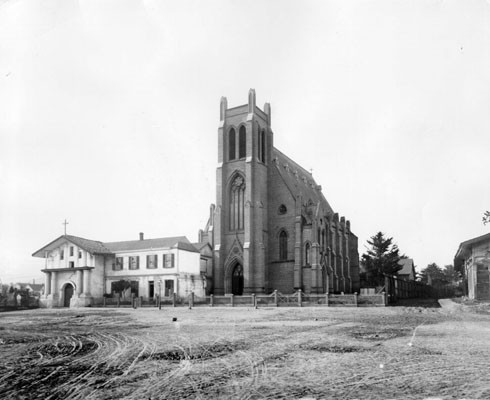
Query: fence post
[
  {"x": 159, "y": 302},
  {"x": 326, "y": 299},
  {"x": 211, "y": 300},
  {"x": 232, "y": 300},
  {"x": 300, "y": 300},
  {"x": 191, "y": 300},
  {"x": 174, "y": 299},
  {"x": 355, "y": 299},
  {"x": 253, "y": 300},
  {"x": 276, "y": 300},
  {"x": 103, "y": 300},
  {"x": 118, "y": 301},
  {"x": 384, "y": 298}
]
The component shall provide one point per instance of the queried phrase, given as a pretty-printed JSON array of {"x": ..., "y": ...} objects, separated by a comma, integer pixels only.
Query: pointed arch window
[
  {"x": 283, "y": 245},
  {"x": 237, "y": 203},
  {"x": 232, "y": 144},
  {"x": 307, "y": 254},
  {"x": 242, "y": 142},
  {"x": 262, "y": 145}
]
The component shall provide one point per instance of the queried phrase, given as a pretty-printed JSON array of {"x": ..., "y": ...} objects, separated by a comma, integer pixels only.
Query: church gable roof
[
  {"x": 92, "y": 246},
  {"x": 298, "y": 180}
]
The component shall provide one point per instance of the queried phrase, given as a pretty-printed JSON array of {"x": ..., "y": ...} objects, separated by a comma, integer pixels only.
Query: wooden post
[
  {"x": 118, "y": 301},
  {"x": 232, "y": 301},
  {"x": 276, "y": 299},
  {"x": 103, "y": 301},
  {"x": 384, "y": 298},
  {"x": 253, "y": 300},
  {"x": 326, "y": 299},
  {"x": 211, "y": 300},
  {"x": 355, "y": 299},
  {"x": 174, "y": 299},
  {"x": 191, "y": 300},
  {"x": 159, "y": 302},
  {"x": 300, "y": 299}
]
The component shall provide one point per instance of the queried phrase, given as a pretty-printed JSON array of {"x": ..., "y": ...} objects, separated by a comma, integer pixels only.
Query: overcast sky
[{"x": 109, "y": 113}]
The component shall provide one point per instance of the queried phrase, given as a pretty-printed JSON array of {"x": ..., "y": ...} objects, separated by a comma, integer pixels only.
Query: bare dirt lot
[{"x": 246, "y": 353}]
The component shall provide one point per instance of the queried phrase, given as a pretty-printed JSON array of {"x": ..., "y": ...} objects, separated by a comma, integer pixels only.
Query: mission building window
[
  {"x": 232, "y": 145},
  {"x": 242, "y": 142},
  {"x": 283, "y": 246},
  {"x": 134, "y": 262},
  {"x": 118, "y": 266},
  {"x": 168, "y": 260},
  {"x": 62, "y": 255},
  {"x": 237, "y": 200},
  {"x": 151, "y": 262}
]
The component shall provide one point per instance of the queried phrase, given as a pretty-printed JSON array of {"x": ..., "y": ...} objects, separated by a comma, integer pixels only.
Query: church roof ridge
[{"x": 314, "y": 193}]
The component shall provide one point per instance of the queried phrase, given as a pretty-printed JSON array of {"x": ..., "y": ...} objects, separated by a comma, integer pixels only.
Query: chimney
[{"x": 142, "y": 236}]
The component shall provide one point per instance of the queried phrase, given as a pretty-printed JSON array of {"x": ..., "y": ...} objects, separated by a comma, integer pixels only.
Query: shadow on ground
[{"x": 426, "y": 303}]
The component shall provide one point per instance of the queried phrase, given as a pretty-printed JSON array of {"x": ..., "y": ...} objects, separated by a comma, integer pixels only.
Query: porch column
[
  {"x": 53, "y": 283},
  {"x": 47, "y": 283},
  {"x": 86, "y": 282},
  {"x": 79, "y": 282}
]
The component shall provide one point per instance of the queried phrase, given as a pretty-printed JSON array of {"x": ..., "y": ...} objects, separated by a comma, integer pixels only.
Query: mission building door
[{"x": 67, "y": 295}]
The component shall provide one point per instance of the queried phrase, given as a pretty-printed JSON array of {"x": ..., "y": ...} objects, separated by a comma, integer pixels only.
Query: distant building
[
  {"x": 474, "y": 256},
  {"x": 272, "y": 228},
  {"x": 79, "y": 270},
  {"x": 407, "y": 272}
]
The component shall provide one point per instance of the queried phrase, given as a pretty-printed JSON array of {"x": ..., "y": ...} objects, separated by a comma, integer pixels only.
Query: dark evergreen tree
[
  {"x": 433, "y": 275},
  {"x": 381, "y": 258}
]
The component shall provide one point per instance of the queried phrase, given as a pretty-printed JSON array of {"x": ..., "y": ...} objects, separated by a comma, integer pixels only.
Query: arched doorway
[
  {"x": 237, "y": 280},
  {"x": 68, "y": 294}
]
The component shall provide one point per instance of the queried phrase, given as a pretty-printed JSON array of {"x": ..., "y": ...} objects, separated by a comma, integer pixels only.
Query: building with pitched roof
[
  {"x": 271, "y": 227},
  {"x": 407, "y": 273},
  {"x": 79, "y": 271},
  {"x": 473, "y": 256}
]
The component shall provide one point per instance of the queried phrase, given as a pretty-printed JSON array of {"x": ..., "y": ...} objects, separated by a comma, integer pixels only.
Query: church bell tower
[{"x": 245, "y": 142}]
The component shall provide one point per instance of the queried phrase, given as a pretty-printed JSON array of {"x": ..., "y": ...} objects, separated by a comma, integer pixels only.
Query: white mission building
[{"x": 79, "y": 271}]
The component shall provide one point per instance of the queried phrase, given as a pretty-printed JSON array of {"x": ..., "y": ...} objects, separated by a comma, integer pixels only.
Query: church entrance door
[
  {"x": 68, "y": 293},
  {"x": 237, "y": 280}
]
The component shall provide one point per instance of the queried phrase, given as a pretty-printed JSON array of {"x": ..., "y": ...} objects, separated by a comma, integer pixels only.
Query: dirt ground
[{"x": 400, "y": 352}]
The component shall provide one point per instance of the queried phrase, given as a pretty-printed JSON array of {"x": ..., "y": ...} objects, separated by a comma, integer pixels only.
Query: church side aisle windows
[
  {"x": 242, "y": 142},
  {"x": 232, "y": 145},
  {"x": 134, "y": 262},
  {"x": 283, "y": 246},
  {"x": 237, "y": 198}
]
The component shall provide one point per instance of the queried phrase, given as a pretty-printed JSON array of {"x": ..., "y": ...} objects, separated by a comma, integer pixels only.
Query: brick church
[{"x": 271, "y": 227}]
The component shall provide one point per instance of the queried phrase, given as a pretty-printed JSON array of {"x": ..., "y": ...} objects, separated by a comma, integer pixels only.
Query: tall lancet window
[
  {"x": 307, "y": 254},
  {"x": 232, "y": 145},
  {"x": 237, "y": 203},
  {"x": 242, "y": 142},
  {"x": 283, "y": 245}
]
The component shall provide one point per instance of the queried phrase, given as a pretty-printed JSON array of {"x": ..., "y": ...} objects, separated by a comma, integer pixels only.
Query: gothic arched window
[
  {"x": 262, "y": 146},
  {"x": 242, "y": 142},
  {"x": 307, "y": 254},
  {"x": 232, "y": 145},
  {"x": 283, "y": 245},
  {"x": 237, "y": 203}
]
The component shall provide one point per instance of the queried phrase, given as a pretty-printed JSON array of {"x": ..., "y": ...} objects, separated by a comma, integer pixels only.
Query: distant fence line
[
  {"x": 275, "y": 299},
  {"x": 396, "y": 288}
]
